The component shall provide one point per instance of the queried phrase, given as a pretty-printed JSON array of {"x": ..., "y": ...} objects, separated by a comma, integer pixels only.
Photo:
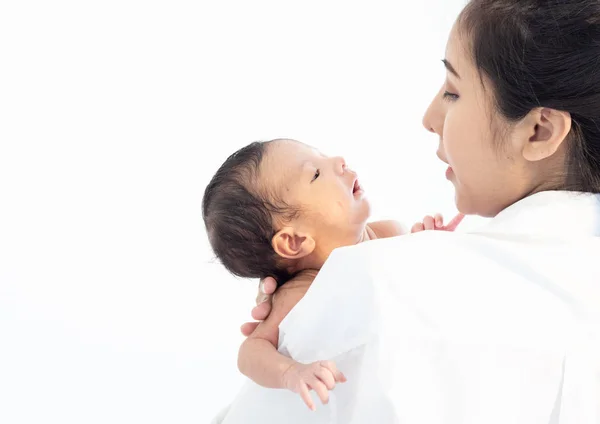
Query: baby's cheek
[{"x": 332, "y": 206}]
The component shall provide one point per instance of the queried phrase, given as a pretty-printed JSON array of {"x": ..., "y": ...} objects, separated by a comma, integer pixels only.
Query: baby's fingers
[
  {"x": 318, "y": 386},
  {"x": 305, "y": 395},
  {"x": 326, "y": 376},
  {"x": 454, "y": 223},
  {"x": 439, "y": 220},
  {"x": 337, "y": 374},
  {"x": 428, "y": 223},
  {"x": 417, "y": 227}
]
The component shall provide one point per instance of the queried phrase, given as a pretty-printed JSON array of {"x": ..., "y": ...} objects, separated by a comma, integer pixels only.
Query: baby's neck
[
  {"x": 318, "y": 258},
  {"x": 367, "y": 235}
]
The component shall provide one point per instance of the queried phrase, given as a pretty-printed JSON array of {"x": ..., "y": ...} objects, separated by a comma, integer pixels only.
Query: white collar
[{"x": 550, "y": 213}]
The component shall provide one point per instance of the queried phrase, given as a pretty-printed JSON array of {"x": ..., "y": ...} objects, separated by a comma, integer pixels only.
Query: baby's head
[{"x": 275, "y": 208}]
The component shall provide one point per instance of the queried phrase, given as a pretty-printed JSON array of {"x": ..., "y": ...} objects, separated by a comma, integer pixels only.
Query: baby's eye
[{"x": 316, "y": 175}]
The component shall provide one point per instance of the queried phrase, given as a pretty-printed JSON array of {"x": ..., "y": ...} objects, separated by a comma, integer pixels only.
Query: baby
[{"x": 278, "y": 209}]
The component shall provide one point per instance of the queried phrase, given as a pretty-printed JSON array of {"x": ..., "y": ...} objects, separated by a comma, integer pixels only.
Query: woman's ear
[
  {"x": 289, "y": 244},
  {"x": 542, "y": 132}
]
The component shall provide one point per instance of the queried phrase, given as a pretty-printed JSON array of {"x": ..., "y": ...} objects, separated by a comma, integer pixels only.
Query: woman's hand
[{"x": 261, "y": 311}]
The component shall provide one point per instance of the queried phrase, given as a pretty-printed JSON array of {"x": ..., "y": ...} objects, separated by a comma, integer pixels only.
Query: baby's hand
[
  {"x": 319, "y": 376},
  {"x": 436, "y": 222}
]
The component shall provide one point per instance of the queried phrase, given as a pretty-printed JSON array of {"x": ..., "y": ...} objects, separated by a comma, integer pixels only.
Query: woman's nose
[{"x": 433, "y": 120}]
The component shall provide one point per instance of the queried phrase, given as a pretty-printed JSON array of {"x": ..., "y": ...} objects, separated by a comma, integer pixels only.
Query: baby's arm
[
  {"x": 258, "y": 358},
  {"x": 260, "y": 361},
  {"x": 384, "y": 229}
]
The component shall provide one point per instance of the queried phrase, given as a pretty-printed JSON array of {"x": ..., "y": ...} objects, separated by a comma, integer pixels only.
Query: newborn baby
[{"x": 278, "y": 209}]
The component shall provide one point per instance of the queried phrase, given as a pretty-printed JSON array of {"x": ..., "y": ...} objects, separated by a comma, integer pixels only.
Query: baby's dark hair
[
  {"x": 239, "y": 216},
  {"x": 544, "y": 53}
]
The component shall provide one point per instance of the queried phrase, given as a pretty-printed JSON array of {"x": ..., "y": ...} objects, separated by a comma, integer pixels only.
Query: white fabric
[{"x": 498, "y": 326}]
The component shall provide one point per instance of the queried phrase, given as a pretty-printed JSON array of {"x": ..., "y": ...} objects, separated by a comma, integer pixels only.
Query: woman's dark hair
[
  {"x": 239, "y": 216},
  {"x": 544, "y": 53}
]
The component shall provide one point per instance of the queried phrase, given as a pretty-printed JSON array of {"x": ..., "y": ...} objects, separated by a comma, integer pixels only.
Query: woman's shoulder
[
  {"x": 409, "y": 248},
  {"x": 452, "y": 277},
  {"x": 425, "y": 257}
]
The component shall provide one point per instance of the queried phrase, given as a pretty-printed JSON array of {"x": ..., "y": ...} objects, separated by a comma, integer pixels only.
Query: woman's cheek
[{"x": 457, "y": 133}]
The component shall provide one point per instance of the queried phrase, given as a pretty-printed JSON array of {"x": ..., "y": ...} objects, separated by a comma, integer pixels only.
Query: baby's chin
[{"x": 364, "y": 211}]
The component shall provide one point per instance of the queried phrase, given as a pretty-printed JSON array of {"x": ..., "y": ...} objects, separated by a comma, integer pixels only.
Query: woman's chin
[
  {"x": 474, "y": 205},
  {"x": 462, "y": 204}
]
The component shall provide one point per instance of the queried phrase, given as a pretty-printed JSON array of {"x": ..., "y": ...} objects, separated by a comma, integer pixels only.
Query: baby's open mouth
[{"x": 356, "y": 187}]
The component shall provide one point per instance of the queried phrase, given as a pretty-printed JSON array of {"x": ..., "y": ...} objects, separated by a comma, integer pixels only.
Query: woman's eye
[
  {"x": 450, "y": 96},
  {"x": 316, "y": 175}
]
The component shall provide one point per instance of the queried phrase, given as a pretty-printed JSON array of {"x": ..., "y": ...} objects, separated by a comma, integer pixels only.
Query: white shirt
[{"x": 495, "y": 326}]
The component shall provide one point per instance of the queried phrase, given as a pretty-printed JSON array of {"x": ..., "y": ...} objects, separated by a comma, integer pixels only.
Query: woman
[{"x": 518, "y": 121}]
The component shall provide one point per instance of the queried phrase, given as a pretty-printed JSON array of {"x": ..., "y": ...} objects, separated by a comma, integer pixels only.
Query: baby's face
[{"x": 334, "y": 208}]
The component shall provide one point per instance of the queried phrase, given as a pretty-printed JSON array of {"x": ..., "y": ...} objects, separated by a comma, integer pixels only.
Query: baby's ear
[{"x": 290, "y": 244}]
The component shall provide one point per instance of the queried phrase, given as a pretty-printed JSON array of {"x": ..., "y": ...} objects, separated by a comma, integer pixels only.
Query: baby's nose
[{"x": 340, "y": 165}]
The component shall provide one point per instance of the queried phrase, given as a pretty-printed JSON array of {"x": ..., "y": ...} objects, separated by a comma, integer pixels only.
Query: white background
[{"x": 114, "y": 116}]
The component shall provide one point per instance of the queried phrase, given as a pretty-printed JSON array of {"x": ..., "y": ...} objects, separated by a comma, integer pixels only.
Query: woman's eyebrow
[{"x": 450, "y": 68}]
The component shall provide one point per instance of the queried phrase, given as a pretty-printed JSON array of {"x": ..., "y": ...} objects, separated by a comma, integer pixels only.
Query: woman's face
[{"x": 486, "y": 167}]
